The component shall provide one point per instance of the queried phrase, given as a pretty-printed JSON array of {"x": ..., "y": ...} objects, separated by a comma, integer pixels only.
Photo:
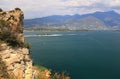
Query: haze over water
[{"x": 84, "y": 55}]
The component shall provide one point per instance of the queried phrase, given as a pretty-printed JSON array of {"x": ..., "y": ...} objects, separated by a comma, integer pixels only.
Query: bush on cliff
[
  {"x": 1, "y": 10},
  {"x": 45, "y": 73},
  {"x": 27, "y": 45},
  {"x": 10, "y": 38},
  {"x": 17, "y": 8},
  {"x": 7, "y": 36}
]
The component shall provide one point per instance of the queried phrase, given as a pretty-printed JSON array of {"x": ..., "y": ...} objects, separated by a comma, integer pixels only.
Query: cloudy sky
[{"x": 41, "y": 8}]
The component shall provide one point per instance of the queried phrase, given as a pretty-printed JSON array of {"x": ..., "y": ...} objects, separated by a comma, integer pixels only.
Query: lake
[{"x": 84, "y": 54}]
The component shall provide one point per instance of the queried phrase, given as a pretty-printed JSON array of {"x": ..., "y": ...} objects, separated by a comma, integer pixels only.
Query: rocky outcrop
[
  {"x": 13, "y": 20},
  {"x": 17, "y": 61}
]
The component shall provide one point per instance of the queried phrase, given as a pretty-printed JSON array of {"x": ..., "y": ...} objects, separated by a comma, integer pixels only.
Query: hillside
[
  {"x": 87, "y": 23},
  {"x": 93, "y": 21}
]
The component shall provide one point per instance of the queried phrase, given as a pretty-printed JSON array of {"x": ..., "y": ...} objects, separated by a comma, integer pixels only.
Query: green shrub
[
  {"x": 10, "y": 38},
  {"x": 62, "y": 75},
  {"x": 41, "y": 68},
  {"x": 27, "y": 45},
  {"x": 1, "y": 10},
  {"x": 1, "y": 42},
  {"x": 7, "y": 36},
  {"x": 3, "y": 24},
  {"x": 17, "y": 9}
]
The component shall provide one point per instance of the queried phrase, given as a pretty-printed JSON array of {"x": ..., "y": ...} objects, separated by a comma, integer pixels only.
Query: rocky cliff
[
  {"x": 13, "y": 21},
  {"x": 17, "y": 59}
]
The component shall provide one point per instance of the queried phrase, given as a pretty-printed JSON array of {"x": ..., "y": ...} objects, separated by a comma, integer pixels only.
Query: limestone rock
[
  {"x": 18, "y": 62},
  {"x": 16, "y": 59},
  {"x": 14, "y": 22}
]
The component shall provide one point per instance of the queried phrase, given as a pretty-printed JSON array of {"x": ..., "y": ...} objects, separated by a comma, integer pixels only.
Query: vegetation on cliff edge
[
  {"x": 45, "y": 73},
  {"x": 7, "y": 36}
]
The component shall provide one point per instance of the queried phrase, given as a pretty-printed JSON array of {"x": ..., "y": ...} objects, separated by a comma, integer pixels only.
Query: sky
[{"x": 42, "y": 8}]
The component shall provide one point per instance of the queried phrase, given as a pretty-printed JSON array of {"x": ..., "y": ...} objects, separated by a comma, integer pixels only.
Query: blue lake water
[{"x": 84, "y": 55}]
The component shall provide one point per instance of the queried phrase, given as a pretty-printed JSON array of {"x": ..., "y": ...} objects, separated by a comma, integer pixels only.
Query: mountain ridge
[{"x": 107, "y": 20}]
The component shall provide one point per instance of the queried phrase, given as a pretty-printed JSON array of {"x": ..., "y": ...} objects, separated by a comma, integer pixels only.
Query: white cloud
[
  {"x": 115, "y": 3},
  {"x": 40, "y": 8}
]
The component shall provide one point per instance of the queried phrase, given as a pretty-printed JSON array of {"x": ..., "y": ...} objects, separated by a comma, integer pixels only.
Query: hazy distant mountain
[
  {"x": 110, "y": 18},
  {"x": 93, "y": 21},
  {"x": 88, "y": 23}
]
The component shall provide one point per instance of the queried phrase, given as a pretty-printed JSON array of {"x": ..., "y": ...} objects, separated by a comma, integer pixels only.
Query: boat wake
[
  {"x": 48, "y": 35},
  {"x": 51, "y": 35}
]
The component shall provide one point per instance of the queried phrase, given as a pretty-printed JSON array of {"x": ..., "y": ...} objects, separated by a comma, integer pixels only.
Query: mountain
[
  {"x": 86, "y": 23},
  {"x": 110, "y": 18},
  {"x": 93, "y": 21}
]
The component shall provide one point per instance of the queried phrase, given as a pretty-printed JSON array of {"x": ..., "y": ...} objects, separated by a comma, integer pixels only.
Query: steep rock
[
  {"x": 17, "y": 61},
  {"x": 14, "y": 22}
]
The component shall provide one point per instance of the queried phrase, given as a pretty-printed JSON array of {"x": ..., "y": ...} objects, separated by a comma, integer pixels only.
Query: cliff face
[
  {"x": 13, "y": 20},
  {"x": 16, "y": 59}
]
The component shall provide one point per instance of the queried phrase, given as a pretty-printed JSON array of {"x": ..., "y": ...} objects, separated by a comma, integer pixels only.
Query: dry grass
[
  {"x": 44, "y": 73},
  {"x": 62, "y": 75}
]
